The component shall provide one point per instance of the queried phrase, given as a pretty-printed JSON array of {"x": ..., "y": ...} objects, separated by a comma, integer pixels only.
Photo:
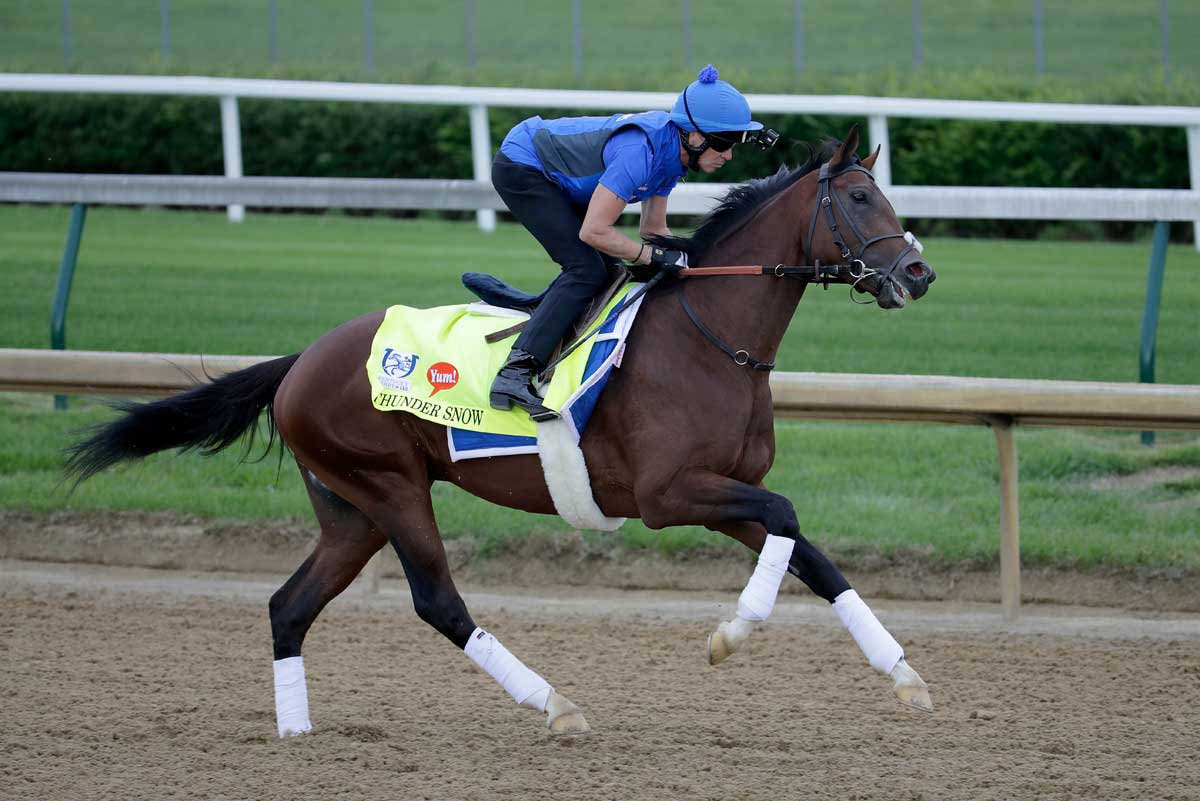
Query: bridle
[
  {"x": 853, "y": 266},
  {"x": 827, "y": 200}
]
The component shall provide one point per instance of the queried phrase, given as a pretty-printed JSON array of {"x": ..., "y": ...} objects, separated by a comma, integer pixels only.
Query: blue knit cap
[{"x": 715, "y": 105}]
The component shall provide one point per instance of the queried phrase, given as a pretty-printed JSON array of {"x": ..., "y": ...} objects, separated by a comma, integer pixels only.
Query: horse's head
[{"x": 852, "y": 222}]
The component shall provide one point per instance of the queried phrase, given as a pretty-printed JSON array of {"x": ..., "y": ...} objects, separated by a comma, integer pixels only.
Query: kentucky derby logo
[
  {"x": 396, "y": 367},
  {"x": 442, "y": 375}
]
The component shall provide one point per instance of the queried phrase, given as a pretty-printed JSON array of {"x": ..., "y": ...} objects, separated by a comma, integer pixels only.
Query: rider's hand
[{"x": 668, "y": 259}]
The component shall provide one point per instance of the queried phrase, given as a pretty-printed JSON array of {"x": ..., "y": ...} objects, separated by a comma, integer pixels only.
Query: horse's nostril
[{"x": 916, "y": 270}]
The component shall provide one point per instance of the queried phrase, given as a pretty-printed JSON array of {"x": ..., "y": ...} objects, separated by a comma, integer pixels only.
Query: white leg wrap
[
  {"x": 291, "y": 697},
  {"x": 880, "y": 648},
  {"x": 758, "y": 599},
  {"x": 526, "y": 687}
]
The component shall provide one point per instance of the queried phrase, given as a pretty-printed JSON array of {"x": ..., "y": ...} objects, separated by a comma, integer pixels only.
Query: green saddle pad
[{"x": 435, "y": 364}]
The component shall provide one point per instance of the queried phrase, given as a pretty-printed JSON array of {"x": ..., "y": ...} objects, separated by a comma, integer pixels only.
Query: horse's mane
[{"x": 742, "y": 201}]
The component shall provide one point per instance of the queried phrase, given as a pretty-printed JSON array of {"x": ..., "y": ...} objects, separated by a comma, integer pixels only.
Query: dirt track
[{"x": 132, "y": 683}]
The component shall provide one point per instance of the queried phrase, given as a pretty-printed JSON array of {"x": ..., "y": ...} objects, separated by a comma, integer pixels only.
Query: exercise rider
[{"x": 568, "y": 180}]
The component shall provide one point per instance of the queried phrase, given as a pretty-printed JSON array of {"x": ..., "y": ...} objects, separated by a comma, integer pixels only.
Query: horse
[{"x": 683, "y": 434}]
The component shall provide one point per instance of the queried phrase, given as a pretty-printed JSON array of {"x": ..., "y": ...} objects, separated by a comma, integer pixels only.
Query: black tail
[{"x": 210, "y": 416}]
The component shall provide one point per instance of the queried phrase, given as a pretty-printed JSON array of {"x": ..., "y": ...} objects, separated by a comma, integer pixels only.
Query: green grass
[
  {"x": 191, "y": 282},
  {"x": 531, "y": 41}
]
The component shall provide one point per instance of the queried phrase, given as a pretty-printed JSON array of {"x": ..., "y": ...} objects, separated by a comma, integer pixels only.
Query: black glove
[{"x": 672, "y": 260}]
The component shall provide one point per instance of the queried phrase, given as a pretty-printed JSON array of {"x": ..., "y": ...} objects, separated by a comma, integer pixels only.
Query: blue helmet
[{"x": 710, "y": 105}]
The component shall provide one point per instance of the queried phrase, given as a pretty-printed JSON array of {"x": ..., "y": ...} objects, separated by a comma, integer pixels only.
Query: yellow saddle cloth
[{"x": 435, "y": 364}]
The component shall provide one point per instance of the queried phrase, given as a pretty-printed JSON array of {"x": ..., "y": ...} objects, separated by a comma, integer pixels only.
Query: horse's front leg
[{"x": 751, "y": 514}]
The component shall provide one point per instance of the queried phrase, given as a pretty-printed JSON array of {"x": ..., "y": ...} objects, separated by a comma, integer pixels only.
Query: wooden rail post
[
  {"x": 1010, "y": 519},
  {"x": 374, "y": 570}
]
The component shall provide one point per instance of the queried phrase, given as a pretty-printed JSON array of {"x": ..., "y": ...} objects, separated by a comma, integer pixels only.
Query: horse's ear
[
  {"x": 869, "y": 161},
  {"x": 847, "y": 151}
]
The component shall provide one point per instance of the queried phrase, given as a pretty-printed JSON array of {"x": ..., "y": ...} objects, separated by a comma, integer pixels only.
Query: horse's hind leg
[
  {"x": 348, "y": 540},
  {"x": 401, "y": 505}
]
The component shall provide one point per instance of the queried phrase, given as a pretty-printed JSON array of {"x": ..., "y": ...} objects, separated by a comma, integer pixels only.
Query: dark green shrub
[{"x": 165, "y": 135}]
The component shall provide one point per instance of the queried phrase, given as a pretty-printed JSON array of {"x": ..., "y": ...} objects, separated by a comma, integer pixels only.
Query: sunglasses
[{"x": 723, "y": 141}]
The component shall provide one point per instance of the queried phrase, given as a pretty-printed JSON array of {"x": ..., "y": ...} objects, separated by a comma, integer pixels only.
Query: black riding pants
[{"x": 548, "y": 213}]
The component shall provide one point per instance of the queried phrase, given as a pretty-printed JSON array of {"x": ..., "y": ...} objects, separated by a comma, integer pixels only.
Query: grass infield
[{"x": 191, "y": 282}]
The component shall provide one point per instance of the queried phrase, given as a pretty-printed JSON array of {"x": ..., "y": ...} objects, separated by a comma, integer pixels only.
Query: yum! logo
[{"x": 442, "y": 375}]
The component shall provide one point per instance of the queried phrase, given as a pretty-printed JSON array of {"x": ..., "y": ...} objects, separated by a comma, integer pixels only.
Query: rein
[{"x": 814, "y": 273}]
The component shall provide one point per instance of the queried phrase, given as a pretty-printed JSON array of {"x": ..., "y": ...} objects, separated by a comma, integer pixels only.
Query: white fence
[
  {"x": 398, "y": 193},
  {"x": 478, "y": 99}
]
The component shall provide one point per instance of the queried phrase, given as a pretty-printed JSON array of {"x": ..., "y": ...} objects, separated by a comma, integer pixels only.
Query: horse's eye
[{"x": 859, "y": 195}]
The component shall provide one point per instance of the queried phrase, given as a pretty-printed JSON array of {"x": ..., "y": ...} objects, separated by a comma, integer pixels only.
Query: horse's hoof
[
  {"x": 718, "y": 647},
  {"x": 563, "y": 717},
  {"x": 910, "y": 688},
  {"x": 729, "y": 637},
  {"x": 295, "y": 730}
]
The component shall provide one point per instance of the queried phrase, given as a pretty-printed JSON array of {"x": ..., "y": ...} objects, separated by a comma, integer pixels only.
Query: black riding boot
[{"x": 514, "y": 384}]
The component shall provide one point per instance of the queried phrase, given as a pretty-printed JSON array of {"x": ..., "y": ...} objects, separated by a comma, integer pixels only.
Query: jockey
[{"x": 568, "y": 180}]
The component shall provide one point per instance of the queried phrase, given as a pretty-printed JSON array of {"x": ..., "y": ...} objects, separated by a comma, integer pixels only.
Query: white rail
[
  {"x": 478, "y": 99},
  {"x": 974, "y": 202},
  {"x": 999, "y": 403}
]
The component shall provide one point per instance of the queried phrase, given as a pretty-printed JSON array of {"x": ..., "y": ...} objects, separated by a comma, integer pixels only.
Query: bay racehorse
[{"x": 683, "y": 435}]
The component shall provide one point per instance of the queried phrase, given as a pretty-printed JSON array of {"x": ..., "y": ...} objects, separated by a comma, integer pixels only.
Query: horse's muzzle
[
  {"x": 907, "y": 282},
  {"x": 918, "y": 275}
]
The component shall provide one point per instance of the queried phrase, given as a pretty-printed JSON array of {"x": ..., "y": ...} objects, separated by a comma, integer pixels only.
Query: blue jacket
[{"x": 635, "y": 156}]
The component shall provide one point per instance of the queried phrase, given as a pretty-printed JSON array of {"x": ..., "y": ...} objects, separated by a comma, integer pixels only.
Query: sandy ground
[
  {"x": 135, "y": 683},
  {"x": 179, "y": 542}
]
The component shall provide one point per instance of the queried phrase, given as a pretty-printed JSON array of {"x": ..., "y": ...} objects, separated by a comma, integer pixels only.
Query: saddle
[{"x": 494, "y": 292}]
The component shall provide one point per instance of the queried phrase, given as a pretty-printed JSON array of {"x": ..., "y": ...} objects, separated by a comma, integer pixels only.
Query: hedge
[{"x": 172, "y": 135}]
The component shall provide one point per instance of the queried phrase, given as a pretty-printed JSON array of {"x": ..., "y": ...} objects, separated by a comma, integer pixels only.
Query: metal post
[
  {"x": 165, "y": 14},
  {"x": 481, "y": 160},
  {"x": 1039, "y": 38},
  {"x": 798, "y": 37},
  {"x": 578, "y": 9},
  {"x": 1164, "y": 28},
  {"x": 1010, "y": 520},
  {"x": 877, "y": 130},
  {"x": 67, "y": 43},
  {"x": 369, "y": 33},
  {"x": 918, "y": 54},
  {"x": 274, "y": 31},
  {"x": 231, "y": 138},
  {"x": 472, "y": 58},
  {"x": 1193, "y": 140},
  {"x": 687, "y": 34},
  {"x": 1154, "y": 282},
  {"x": 62, "y": 291}
]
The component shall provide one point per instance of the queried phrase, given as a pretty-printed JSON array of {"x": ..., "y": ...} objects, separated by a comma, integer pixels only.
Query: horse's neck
[{"x": 753, "y": 312}]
